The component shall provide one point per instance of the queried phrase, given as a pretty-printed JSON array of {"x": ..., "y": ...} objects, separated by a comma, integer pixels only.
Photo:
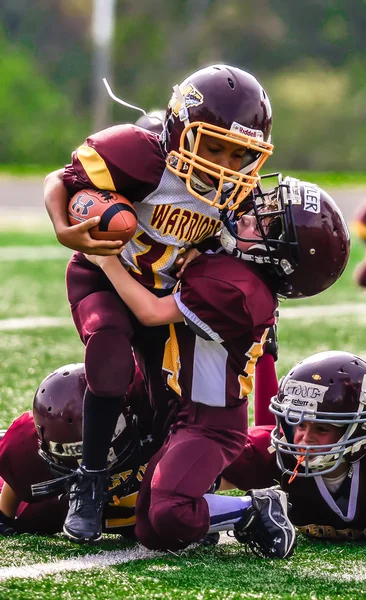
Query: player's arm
[
  {"x": 76, "y": 237},
  {"x": 148, "y": 309}
]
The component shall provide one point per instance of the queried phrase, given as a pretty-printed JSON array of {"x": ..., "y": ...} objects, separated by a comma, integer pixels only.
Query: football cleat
[
  {"x": 83, "y": 522},
  {"x": 210, "y": 539},
  {"x": 266, "y": 528}
]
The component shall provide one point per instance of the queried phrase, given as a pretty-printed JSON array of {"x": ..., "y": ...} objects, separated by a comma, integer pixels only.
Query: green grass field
[{"x": 32, "y": 268}]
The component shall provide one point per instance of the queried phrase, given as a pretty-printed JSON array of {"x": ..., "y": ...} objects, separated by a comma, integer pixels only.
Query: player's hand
[
  {"x": 77, "y": 237},
  {"x": 7, "y": 525},
  {"x": 185, "y": 258}
]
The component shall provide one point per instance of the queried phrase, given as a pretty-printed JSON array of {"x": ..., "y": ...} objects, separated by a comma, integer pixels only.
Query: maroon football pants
[
  {"x": 171, "y": 511},
  {"x": 109, "y": 330}
]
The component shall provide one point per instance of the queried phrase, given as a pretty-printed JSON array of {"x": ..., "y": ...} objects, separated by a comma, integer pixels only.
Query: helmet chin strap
[
  {"x": 229, "y": 243},
  {"x": 196, "y": 181},
  {"x": 199, "y": 185},
  {"x": 119, "y": 100},
  {"x": 183, "y": 115}
]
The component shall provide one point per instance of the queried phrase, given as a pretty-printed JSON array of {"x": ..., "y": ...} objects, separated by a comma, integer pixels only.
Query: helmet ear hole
[
  {"x": 231, "y": 83},
  {"x": 170, "y": 125}
]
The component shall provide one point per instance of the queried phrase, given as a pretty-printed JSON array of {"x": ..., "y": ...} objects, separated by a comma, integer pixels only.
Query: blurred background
[{"x": 309, "y": 55}]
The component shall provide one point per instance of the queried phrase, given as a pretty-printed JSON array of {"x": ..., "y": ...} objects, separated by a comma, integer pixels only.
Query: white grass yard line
[
  {"x": 323, "y": 311},
  {"x": 34, "y": 323},
  {"x": 34, "y": 253},
  {"x": 357, "y": 311},
  {"x": 89, "y": 561},
  {"x": 346, "y": 571}
]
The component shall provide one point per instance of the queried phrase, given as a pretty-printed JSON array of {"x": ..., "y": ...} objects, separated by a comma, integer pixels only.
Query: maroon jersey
[
  {"x": 229, "y": 310},
  {"x": 130, "y": 160},
  {"x": 21, "y": 466},
  {"x": 20, "y": 463},
  {"x": 315, "y": 511}
]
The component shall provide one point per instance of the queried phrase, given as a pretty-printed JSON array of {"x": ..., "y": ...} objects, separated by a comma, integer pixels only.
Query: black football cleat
[
  {"x": 210, "y": 539},
  {"x": 266, "y": 527},
  {"x": 83, "y": 522}
]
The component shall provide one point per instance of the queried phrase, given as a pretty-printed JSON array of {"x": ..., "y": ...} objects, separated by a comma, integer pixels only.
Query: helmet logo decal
[
  {"x": 316, "y": 376},
  {"x": 192, "y": 98},
  {"x": 292, "y": 190},
  {"x": 71, "y": 449},
  {"x": 254, "y": 133},
  {"x": 311, "y": 198},
  {"x": 303, "y": 394}
]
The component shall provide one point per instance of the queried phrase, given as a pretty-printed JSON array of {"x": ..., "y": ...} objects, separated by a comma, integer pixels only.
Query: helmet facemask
[
  {"x": 300, "y": 401},
  {"x": 279, "y": 232},
  {"x": 307, "y": 243},
  {"x": 186, "y": 163}
]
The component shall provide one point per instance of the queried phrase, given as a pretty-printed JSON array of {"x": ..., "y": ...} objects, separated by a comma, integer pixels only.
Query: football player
[
  {"x": 320, "y": 442},
  {"x": 41, "y": 451},
  {"x": 294, "y": 243},
  {"x": 216, "y": 137}
]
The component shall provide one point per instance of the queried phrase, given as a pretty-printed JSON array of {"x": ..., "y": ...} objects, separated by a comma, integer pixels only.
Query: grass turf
[{"x": 318, "y": 570}]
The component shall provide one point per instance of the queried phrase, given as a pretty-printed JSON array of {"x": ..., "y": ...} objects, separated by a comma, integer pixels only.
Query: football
[{"x": 118, "y": 219}]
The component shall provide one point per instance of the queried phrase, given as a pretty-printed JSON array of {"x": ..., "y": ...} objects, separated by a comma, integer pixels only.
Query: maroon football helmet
[
  {"x": 328, "y": 387},
  {"x": 228, "y": 104},
  {"x": 153, "y": 121},
  {"x": 57, "y": 414},
  {"x": 307, "y": 243}
]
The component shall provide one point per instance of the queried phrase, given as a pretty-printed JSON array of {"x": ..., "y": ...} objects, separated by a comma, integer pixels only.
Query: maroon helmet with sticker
[
  {"x": 57, "y": 414},
  {"x": 328, "y": 387},
  {"x": 307, "y": 243},
  {"x": 225, "y": 103}
]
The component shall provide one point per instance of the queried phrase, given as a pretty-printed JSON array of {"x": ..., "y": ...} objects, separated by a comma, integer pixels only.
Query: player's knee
[
  {"x": 109, "y": 363},
  {"x": 179, "y": 523}
]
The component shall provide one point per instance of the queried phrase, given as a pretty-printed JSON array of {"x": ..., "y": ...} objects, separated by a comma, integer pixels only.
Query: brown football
[{"x": 118, "y": 219}]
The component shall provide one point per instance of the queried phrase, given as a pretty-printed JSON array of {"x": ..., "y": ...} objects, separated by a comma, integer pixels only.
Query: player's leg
[
  {"x": 174, "y": 508},
  {"x": 105, "y": 327},
  {"x": 149, "y": 344},
  {"x": 191, "y": 459}
]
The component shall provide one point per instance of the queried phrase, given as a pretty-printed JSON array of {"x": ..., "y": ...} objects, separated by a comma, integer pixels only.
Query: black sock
[{"x": 100, "y": 416}]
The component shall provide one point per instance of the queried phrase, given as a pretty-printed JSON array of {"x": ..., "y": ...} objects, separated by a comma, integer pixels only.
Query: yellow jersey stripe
[
  {"x": 95, "y": 168},
  {"x": 110, "y": 523}
]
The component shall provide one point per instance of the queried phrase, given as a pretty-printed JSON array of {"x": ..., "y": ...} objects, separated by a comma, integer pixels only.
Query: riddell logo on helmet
[
  {"x": 254, "y": 133},
  {"x": 192, "y": 98}
]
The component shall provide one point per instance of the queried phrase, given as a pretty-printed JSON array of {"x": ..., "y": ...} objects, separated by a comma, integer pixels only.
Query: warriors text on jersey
[
  {"x": 130, "y": 160},
  {"x": 228, "y": 309},
  {"x": 315, "y": 511}
]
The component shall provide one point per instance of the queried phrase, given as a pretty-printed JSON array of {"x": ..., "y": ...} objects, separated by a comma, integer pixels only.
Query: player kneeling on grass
[
  {"x": 320, "y": 442},
  {"x": 293, "y": 242}
]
